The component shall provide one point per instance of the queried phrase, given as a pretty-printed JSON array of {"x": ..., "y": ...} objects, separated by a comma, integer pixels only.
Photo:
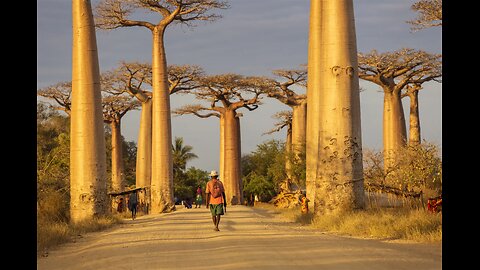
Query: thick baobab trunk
[
  {"x": 222, "y": 148},
  {"x": 299, "y": 123},
  {"x": 144, "y": 151},
  {"x": 88, "y": 185},
  {"x": 394, "y": 130},
  {"x": 162, "y": 163},
  {"x": 334, "y": 145},
  {"x": 414, "y": 131},
  {"x": 232, "y": 177},
  {"x": 118, "y": 168},
  {"x": 298, "y": 136}
]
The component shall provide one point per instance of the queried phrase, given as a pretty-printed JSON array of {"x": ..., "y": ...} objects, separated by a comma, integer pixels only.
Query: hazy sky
[{"x": 254, "y": 37}]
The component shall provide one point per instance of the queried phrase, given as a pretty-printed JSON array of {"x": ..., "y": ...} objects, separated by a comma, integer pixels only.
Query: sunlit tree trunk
[
  {"x": 394, "y": 129},
  {"x": 88, "y": 186},
  {"x": 334, "y": 146},
  {"x": 232, "y": 179},
  {"x": 414, "y": 130},
  {"x": 144, "y": 150},
  {"x": 298, "y": 136},
  {"x": 222, "y": 148},
  {"x": 239, "y": 185},
  {"x": 118, "y": 168},
  {"x": 162, "y": 163},
  {"x": 299, "y": 123},
  {"x": 288, "y": 163}
]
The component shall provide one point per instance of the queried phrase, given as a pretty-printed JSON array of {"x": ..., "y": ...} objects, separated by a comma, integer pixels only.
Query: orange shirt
[{"x": 209, "y": 189}]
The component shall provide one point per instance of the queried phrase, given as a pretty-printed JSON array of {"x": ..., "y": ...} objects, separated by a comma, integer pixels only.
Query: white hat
[{"x": 213, "y": 173}]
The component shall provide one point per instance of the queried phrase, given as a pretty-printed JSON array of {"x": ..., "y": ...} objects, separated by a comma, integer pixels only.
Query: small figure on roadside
[
  {"x": 198, "y": 198},
  {"x": 132, "y": 204},
  {"x": 120, "y": 206},
  {"x": 215, "y": 198},
  {"x": 304, "y": 201}
]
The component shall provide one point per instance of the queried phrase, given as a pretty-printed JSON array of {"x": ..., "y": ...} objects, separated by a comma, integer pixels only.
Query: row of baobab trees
[{"x": 329, "y": 127}]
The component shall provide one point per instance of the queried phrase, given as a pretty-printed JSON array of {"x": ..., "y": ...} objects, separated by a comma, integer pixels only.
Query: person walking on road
[
  {"x": 132, "y": 204},
  {"x": 215, "y": 198},
  {"x": 198, "y": 198}
]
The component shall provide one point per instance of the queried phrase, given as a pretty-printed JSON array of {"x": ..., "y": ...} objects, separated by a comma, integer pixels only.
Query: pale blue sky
[{"x": 254, "y": 37}]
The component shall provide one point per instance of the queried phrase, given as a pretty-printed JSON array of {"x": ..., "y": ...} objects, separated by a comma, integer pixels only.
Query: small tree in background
[{"x": 429, "y": 14}]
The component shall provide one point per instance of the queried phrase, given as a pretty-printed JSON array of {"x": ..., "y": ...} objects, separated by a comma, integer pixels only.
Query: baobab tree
[
  {"x": 88, "y": 184},
  {"x": 135, "y": 76},
  {"x": 334, "y": 176},
  {"x": 112, "y": 14},
  {"x": 61, "y": 93},
  {"x": 429, "y": 14},
  {"x": 298, "y": 103},
  {"x": 393, "y": 71},
  {"x": 115, "y": 106},
  {"x": 232, "y": 92}
]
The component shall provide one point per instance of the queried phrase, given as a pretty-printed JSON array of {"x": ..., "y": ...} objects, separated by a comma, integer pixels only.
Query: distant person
[
  {"x": 187, "y": 203},
  {"x": 132, "y": 204},
  {"x": 215, "y": 198},
  {"x": 120, "y": 206},
  {"x": 304, "y": 202},
  {"x": 198, "y": 198}
]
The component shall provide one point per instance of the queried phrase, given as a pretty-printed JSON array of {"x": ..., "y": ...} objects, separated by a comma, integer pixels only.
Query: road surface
[{"x": 249, "y": 238}]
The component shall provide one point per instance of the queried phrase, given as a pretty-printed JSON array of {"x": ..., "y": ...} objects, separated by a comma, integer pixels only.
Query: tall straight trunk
[
  {"x": 298, "y": 136},
  {"x": 222, "y": 148},
  {"x": 394, "y": 129},
  {"x": 239, "y": 191},
  {"x": 299, "y": 123},
  {"x": 232, "y": 179},
  {"x": 334, "y": 152},
  {"x": 88, "y": 184},
  {"x": 162, "y": 163},
  {"x": 118, "y": 167},
  {"x": 288, "y": 163},
  {"x": 144, "y": 151},
  {"x": 414, "y": 131}
]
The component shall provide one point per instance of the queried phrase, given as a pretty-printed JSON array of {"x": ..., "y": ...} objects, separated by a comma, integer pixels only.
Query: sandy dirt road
[{"x": 249, "y": 238}]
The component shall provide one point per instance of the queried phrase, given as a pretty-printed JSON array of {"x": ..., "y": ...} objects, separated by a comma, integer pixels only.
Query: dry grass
[
  {"x": 53, "y": 233},
  {"x": 417, "y": 225}
]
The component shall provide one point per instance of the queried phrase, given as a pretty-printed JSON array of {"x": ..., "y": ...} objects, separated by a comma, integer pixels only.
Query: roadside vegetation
[
  {"x": 401, "y": 216},
  {"x": 396, "y": 207}
]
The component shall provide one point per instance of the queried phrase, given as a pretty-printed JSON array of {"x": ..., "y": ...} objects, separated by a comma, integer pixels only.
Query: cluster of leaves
[
  {"x": 263, "y": 170},
  {"x": 53, "y": 163},
  {"x": 53, "y": 158},
  {"x": 419, "y": 168}
]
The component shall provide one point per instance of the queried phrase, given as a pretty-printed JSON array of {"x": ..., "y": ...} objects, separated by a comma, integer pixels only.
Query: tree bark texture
[
  {"x": 299, "y": 123},
  {"x": 394, "y": 129},
  {"x": 118, "y": 168},
  {"x": 222, "y": 148},
  {"x": 162, "y": 163},
  {"x": 88, "y": 185},
  {"x": 232, "y": 173},
  {"x": 334, "y": 145},
  {"x": 414, "y": 130},
  {"x": 144, "y": 151}
]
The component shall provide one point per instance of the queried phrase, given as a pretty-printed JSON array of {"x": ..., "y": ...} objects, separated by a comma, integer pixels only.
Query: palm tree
[{"x": 181, "y": 155}]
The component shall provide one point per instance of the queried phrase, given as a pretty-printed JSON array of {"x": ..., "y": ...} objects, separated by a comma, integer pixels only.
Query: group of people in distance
[{"x": 215, "y": 200}]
